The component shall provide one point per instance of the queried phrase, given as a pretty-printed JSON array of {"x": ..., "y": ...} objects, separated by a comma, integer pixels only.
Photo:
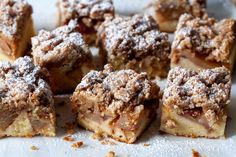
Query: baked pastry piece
[
  {"x": 195, "y": 103},
  {"x": 89, "y": 13},
  {"x": 120, "y": 104},
  {"x": 167, "y": 12},
  {"x": 234, "y": 1},
  {"x": 65, "y": 54},
  {"x": 26, "y": 100},
  {"x": 16, "y": 28},
  {"x": 135, "y": 43},
  {"x": 204, "y": 43}
]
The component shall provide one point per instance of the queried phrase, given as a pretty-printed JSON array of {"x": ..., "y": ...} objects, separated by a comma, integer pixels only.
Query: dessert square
[
  {"x": 135, "y": 43},
  {"x": 16, "y": 28},
  {"x": 65, "y": 54},
  {"x": 167, "y": 12},
  {"x": 89, "y": 13},
  {"x": 26, "y": 100},
  {"x": 195, "y": 103},
  {"x": 204, "y": 43},
  {"x": 119, "y": 104}
]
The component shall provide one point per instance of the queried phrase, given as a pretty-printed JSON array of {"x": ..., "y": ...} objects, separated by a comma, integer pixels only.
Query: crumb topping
[
  {"x": 63, "y": 45},
  {"x": 133, "y": 37},
  {"x": 117, "y": 91},
  {"x": 208, "y": 90},
  {"x": 92, "y": 9},
  {"x": 208, "y": 37},
  {"x": 22, "y": 84},
  {"x": 172, "y": 9},
  {"x": 13, "y": 14}
]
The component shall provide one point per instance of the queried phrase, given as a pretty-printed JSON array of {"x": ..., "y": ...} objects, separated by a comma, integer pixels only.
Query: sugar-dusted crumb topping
[
  {"x": 118, "y": 91},
  {"x": 13, "y": 14},
  {"x": 92, "y": 9},
  {"x": 207, "y": 37},
  {"x": 208, "y": 90},
  {"x": 133, "y": 38},
  {"x": 63, "y": 45},
  {"x": 22, "y": 84}
]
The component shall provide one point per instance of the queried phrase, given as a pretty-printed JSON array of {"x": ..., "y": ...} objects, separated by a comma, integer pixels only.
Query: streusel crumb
[
  {"x": 117, "y": 89},
  {"x": 93, "y": 10},
  {"x": 13, "y": 14},
  {"x": 63, "y": 45},
  {"x": 22, "y": 82},
  {"x": 207, "y": 37},
  {"x": 133, "y": 37}
]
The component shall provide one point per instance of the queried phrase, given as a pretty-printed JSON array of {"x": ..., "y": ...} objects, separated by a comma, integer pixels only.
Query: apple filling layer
[{"x": 193, "y": 124}]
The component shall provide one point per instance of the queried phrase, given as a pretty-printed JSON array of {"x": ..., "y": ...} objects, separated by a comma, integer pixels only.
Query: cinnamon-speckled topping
[
  {"x": 172, "y": 9},
  {"x": 91, "y": 9},
  {"x": 63, "y": 45},
  {"x": 118, "y": 90},
  {"x": 208, "y": 37},
  {"x": 133, "y": 38},
  {"x": 208, "y": 90},
  {"x": 22, "y": 85},
  {"x": 13, "y": 14}
]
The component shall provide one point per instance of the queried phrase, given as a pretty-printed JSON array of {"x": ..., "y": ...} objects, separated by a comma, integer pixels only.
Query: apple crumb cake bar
[
  {"x": 135, "y": 43},
  {"x": 89, "y": 13},
  {"x": 16, "y": 28},
  {"x": 65, "y": 54},
  {"x": 204, "y": 43},
  {"x": 120, "y": 104},
  {"x": 195, "y": 103},
  {"x": 26, "y": 100},
  {"x": 167, "y": 12}
]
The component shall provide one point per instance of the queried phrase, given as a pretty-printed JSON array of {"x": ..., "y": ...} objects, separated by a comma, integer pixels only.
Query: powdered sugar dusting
[
  {"x": 62, "y": 44},
  {"x": 209, "y": 89},
  {"x": 136, "y": 36},
  {"x": 208, "y": 37},
  {"x": 118, "y": 90},
  {"x": 13, "y": 14},
  {"x": 22, "y": 81},
  {"x": 93, "y": 9}
]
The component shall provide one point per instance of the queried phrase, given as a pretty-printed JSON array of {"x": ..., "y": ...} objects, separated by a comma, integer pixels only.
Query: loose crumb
[
  {"x": 98, "y": 136},
  {"x": 146, "y": 144},
  {"x": 195, "y": 153},
  {"x": 68, "y": 138},
  {"x": 34, "y": 148},
  {"x": 107, "y": 142},
  {"x": 69, "y": 126},
  {"x": 77, "y": 144},
  {"x": 110, "y": 154}
]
